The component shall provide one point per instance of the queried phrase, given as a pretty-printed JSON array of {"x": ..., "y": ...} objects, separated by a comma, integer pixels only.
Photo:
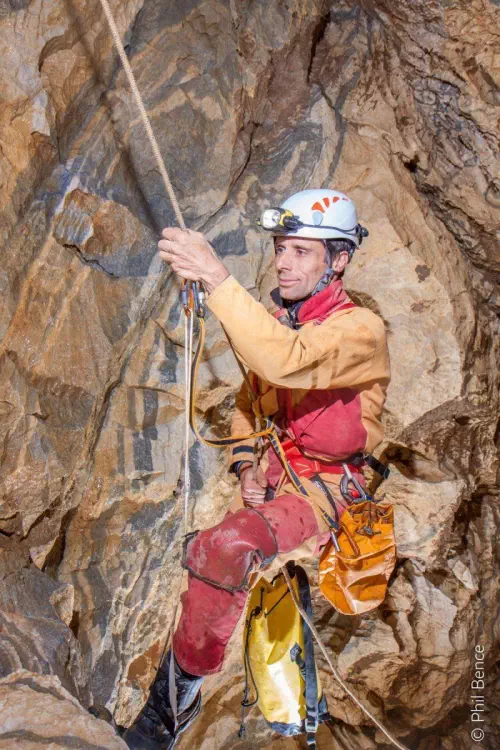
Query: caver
[{"x": 318, "y": 371}]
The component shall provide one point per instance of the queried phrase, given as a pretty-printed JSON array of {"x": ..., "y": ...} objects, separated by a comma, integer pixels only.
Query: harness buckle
[{"x": 311, "y": 725}]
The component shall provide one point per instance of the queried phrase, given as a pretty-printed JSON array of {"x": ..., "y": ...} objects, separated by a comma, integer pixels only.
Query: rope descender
[{"x": 193, "y": 298}]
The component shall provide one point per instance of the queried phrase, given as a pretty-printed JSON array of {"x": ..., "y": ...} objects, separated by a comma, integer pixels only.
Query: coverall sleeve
[
  {"x": 243, "y": 423},
  {"x": 338, "y": 353}
]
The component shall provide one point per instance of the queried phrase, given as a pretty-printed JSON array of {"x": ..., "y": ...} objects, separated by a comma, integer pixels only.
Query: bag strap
[
  {"x": 246, "y": 703},
  {"x": 377, "y": 465},
  {"x": 311, "y": 691}
]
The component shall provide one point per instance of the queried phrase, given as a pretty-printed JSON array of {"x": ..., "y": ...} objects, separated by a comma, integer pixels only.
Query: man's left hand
[
  {"x": 253, "y": 486},
  {"x": 192, "y": 257}
]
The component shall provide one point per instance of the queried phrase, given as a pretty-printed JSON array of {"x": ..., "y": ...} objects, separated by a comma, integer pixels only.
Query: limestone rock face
[
  {"x": 397, "y": 105},
  {"x": 35, "y": 615},
  {"x": 36, "y": 711}
]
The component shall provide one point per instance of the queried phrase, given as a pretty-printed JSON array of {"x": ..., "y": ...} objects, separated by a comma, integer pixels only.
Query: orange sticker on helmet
[{"x": 324, "y": 204}]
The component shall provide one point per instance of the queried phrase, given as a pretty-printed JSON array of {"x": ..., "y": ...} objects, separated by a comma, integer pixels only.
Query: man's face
[{"x": 300, "y": 263}]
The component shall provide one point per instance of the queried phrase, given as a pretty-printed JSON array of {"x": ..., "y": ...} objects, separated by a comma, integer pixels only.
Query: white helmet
[{"x": 316, "y": 214}]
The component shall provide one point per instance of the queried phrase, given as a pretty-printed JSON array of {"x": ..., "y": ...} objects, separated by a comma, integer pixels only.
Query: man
[{"x": 320, "y": 368}]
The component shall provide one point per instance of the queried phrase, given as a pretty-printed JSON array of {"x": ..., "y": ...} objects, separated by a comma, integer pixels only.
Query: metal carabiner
[
  {"x": 347, "y": 479},
  {"x": 199, "y": 299},
  {"x": 335, "y": 541},
  {"x": 187, "y": 297}
]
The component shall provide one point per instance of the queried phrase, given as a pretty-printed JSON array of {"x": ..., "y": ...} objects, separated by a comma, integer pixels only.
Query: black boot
[{"x": 154, "y": 728}]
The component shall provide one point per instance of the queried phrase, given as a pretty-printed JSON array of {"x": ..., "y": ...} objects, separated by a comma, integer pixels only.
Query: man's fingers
[
  {"x": 253, "y": 495},
  {"x": 254, "y": 490},
  {"x": 173, "y": 233},
  {"x": 254, "y": 501},
  {"x": 185, "y": 273},
  {"x": 165, "y": 245},
  {"x": 169, "y": 246},
  {"x": 178, "y": 266}
]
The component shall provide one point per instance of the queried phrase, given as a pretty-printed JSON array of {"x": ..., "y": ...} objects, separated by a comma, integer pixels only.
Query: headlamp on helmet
[
  {"x": 278, "y": 220},
  {"x": 282, "y": 221}
]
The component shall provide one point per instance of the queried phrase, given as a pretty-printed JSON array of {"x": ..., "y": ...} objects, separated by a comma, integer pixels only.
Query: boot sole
[{"x": 141, "y": 741}]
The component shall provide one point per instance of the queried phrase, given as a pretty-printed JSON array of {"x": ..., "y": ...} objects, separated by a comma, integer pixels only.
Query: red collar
[{"x": 320, "y": 306}]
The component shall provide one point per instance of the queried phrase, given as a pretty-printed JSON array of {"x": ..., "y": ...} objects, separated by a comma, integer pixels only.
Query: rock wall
[{"x": 250, "y": 101}]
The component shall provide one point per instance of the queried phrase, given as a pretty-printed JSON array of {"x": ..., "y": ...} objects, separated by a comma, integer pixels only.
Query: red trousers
[{"x": 223, "y": 555}]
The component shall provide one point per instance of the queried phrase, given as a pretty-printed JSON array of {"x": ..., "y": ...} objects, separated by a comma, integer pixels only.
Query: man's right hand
[{"x": 253, "y": 491}]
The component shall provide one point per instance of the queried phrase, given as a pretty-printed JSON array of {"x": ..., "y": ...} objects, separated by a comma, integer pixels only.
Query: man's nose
[{"x": 283, "y": 261}]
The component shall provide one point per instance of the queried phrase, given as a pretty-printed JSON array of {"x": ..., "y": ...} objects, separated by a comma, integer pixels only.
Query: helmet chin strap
[
  {"x": 324, "y": 281},
  {"x": 293, "y": 306},
  {"x": 327, "y": 276}
]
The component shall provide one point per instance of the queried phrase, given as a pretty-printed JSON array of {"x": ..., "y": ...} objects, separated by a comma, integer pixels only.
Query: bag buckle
[
  {"x": 368, "y": 531},
  {"x": 311, "y": 725}
]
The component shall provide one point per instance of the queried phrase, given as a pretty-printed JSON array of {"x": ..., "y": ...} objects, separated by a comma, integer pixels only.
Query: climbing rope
[
  {"x": 144, "y": 115},
  {"x": 188, "y": 320},
  {"x": 188, "y": 358},
  {"x": 188, "y": 333}
]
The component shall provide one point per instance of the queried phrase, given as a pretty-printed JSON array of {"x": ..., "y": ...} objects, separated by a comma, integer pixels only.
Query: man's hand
[
  {"x": 192, "y": 257},
  {"x": 253, "y": 491}
]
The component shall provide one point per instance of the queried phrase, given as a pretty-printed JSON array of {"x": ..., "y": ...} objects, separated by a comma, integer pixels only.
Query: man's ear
[{"x": 340, "y": 261}]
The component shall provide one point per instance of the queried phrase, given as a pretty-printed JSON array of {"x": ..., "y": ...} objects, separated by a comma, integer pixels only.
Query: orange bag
[{"x": 355, "y": 579}]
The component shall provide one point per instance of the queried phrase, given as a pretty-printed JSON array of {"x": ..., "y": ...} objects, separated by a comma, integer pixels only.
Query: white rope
[
  {"x": 144, "y": 116},
  {"x": 188, "y": 357},
  {"x": 339, "y": 679},
  {"x": 178, "y": 214},
  {"x": 188, "y": 331}
]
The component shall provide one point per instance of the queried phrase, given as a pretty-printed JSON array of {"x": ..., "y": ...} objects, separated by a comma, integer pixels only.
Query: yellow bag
[
  {"x": 279, "y": 658},
  {"x": 354, "y": 579}
]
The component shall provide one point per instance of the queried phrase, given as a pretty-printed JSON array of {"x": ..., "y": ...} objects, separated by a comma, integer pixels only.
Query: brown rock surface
[
  {"x": 36, "y": 711},
  {"x": 398, "y": 105},
  {"x": 35, "y": 615}
]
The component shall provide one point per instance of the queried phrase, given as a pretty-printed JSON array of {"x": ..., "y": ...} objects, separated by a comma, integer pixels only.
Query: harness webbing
[{"x": 188, "y": 369}]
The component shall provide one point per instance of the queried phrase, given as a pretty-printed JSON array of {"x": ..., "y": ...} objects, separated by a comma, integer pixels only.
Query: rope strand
[
  {"x": 144, "y": 115},
  {"x": 188, "y": 349},
  {"x": 188, "y": 330}
]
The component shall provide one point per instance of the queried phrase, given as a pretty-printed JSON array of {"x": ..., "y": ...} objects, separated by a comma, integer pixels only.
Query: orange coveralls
[{"x": 325, "y": 385}]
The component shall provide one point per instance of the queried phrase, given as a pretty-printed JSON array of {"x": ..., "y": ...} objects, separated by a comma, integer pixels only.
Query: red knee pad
[
  {"x": 291, "y": 519},
  {"x": 227, "y": 554}
]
